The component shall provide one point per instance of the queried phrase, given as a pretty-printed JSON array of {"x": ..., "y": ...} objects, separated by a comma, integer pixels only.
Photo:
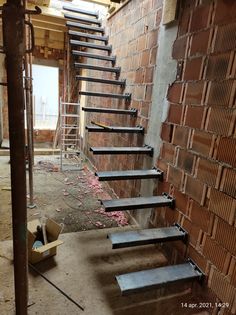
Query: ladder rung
[
  {"x": 93, "y": 56},
  {"x": 131, "y": 174},
  {"x": 98, "y": 80},
  {"x": 69, "y": 127},
  {"x": 97, "y": 68},
  {"x": 82, "y": 19},
  {"x": 114, "y": 129},
  {"x": 138, "y": 203},
  {"x": 147, "y": 236},
  {"x": 67, "y": 144},
  {"x": 70, "y": 152},
  {"x": 81, "y": 11},
  {"x": 88, "y": 35},
  {"x": 132, "y": 111},
  {"x": 74, "y": 104},
  {"x": 122, "y": 150},
  {"x": 126, "y": 96},
  {"x": 90, "y": 45},
  {"x": 152, "y": 279},
  {"x": 74, "y": 139},
  {"x": 70, "y": 115},
  {"x": 85, "y": 27}
]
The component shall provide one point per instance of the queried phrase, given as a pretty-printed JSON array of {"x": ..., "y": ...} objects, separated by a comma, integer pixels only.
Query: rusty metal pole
[
  {"x": 68, "y": 69},
  {"x": 29, "y": 120},
  {"x": 31, "y": 102},
  {"x": 29, "y": 136},
  {"x": 29, "y": 112},
  {"x": 14, "y": 45}
]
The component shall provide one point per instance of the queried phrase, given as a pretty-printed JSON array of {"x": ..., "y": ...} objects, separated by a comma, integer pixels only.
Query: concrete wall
[{"x": 165, "y": 73}]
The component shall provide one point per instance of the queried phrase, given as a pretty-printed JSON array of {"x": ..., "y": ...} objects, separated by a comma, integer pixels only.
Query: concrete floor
[{"x": 85, "y": 268}]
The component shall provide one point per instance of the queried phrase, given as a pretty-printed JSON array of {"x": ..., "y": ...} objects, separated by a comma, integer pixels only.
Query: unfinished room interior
[{"x": 118, "y": 157}]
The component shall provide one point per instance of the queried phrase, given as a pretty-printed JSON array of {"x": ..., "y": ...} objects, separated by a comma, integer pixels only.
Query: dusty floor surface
[
  {"x": 85, "y": 268},
  {"x": 67, "y": 197}
]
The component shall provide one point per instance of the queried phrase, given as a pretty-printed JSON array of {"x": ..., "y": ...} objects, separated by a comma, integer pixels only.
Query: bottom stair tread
[{"x": 155, "y": 278}]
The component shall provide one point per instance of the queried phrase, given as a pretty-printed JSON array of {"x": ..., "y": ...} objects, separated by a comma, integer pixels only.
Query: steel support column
[{"x": 14, "y": 45}]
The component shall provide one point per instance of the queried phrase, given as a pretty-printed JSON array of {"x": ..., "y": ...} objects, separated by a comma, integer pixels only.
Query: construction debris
[
  {"x": 48, "y": 166},
  {"x": 100, "y": 125}
]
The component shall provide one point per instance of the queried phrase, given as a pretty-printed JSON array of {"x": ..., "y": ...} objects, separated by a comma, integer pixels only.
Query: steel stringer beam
[{"x": 14, "y": 47}]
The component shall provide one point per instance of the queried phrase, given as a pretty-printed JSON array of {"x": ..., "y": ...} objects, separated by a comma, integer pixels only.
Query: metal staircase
[{"x": 81, "y": 29}]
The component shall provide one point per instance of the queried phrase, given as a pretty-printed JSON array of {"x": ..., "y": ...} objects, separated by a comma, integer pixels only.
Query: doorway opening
[{"x": 46, "y": 96}]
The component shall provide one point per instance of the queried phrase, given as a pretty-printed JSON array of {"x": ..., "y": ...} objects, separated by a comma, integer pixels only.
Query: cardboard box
[{"x": 53, "y": 230}]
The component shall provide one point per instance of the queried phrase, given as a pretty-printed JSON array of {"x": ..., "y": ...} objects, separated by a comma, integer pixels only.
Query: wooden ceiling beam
[
  {"x": 48, "y": 26},
  {"x": 48, "y": 19},
  {"x": 105, "y": 3}
]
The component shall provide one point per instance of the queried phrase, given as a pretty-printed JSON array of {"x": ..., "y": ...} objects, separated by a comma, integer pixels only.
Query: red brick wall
[
  {"x": 133, "y": 34},
  {"x": 199, "y": 145},
  {"x": 44, "y": 136}
]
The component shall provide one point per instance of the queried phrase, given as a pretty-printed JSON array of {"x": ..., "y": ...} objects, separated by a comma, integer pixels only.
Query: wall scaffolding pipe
[{"x": 14, "y": 44}]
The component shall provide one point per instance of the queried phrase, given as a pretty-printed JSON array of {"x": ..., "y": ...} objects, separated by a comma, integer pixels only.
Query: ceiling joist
[{"x": 105, "y": 3}]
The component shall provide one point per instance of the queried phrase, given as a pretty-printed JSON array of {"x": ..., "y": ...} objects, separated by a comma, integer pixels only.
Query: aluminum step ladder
[{"x": 70, "y": 136}]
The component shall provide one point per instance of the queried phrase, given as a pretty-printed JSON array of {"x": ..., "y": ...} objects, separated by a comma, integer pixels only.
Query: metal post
[
  {"x": 29, "y": 120},
  {"x": 64, "y": 69},
  {"x": 14, "y": 44},
  {"x": 31, "y": 101},
  {"x": 29, "y": 140},
  {"x": 29, "y": 111},
  {"x": 68, "y": 69}
]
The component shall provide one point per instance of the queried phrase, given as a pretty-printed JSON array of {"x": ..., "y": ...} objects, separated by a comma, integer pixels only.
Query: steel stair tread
[
  {"x": 122, "y": 150},
  {"x": 93, "y": 56},
  {"x": 157, "y": 278},
  {"x": 130, "y": 174},
  {"x": 126, "y": 96},
  {"x": 147, "y": 236},
  {"x": 85, "y": 27},
  {"x": 137, "y": 203},
  {"x": 98, "y": 80},
  {"x": 81, "y": 11},
  {"x": 90, "y": 45},
  {"x": 82, "y": 19},
  {"x": 115, "y": 129},
  {"x": 97, "y": 68},
  {"x": 88, "y": 35},
  {"x": 132, "y": 111}
]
